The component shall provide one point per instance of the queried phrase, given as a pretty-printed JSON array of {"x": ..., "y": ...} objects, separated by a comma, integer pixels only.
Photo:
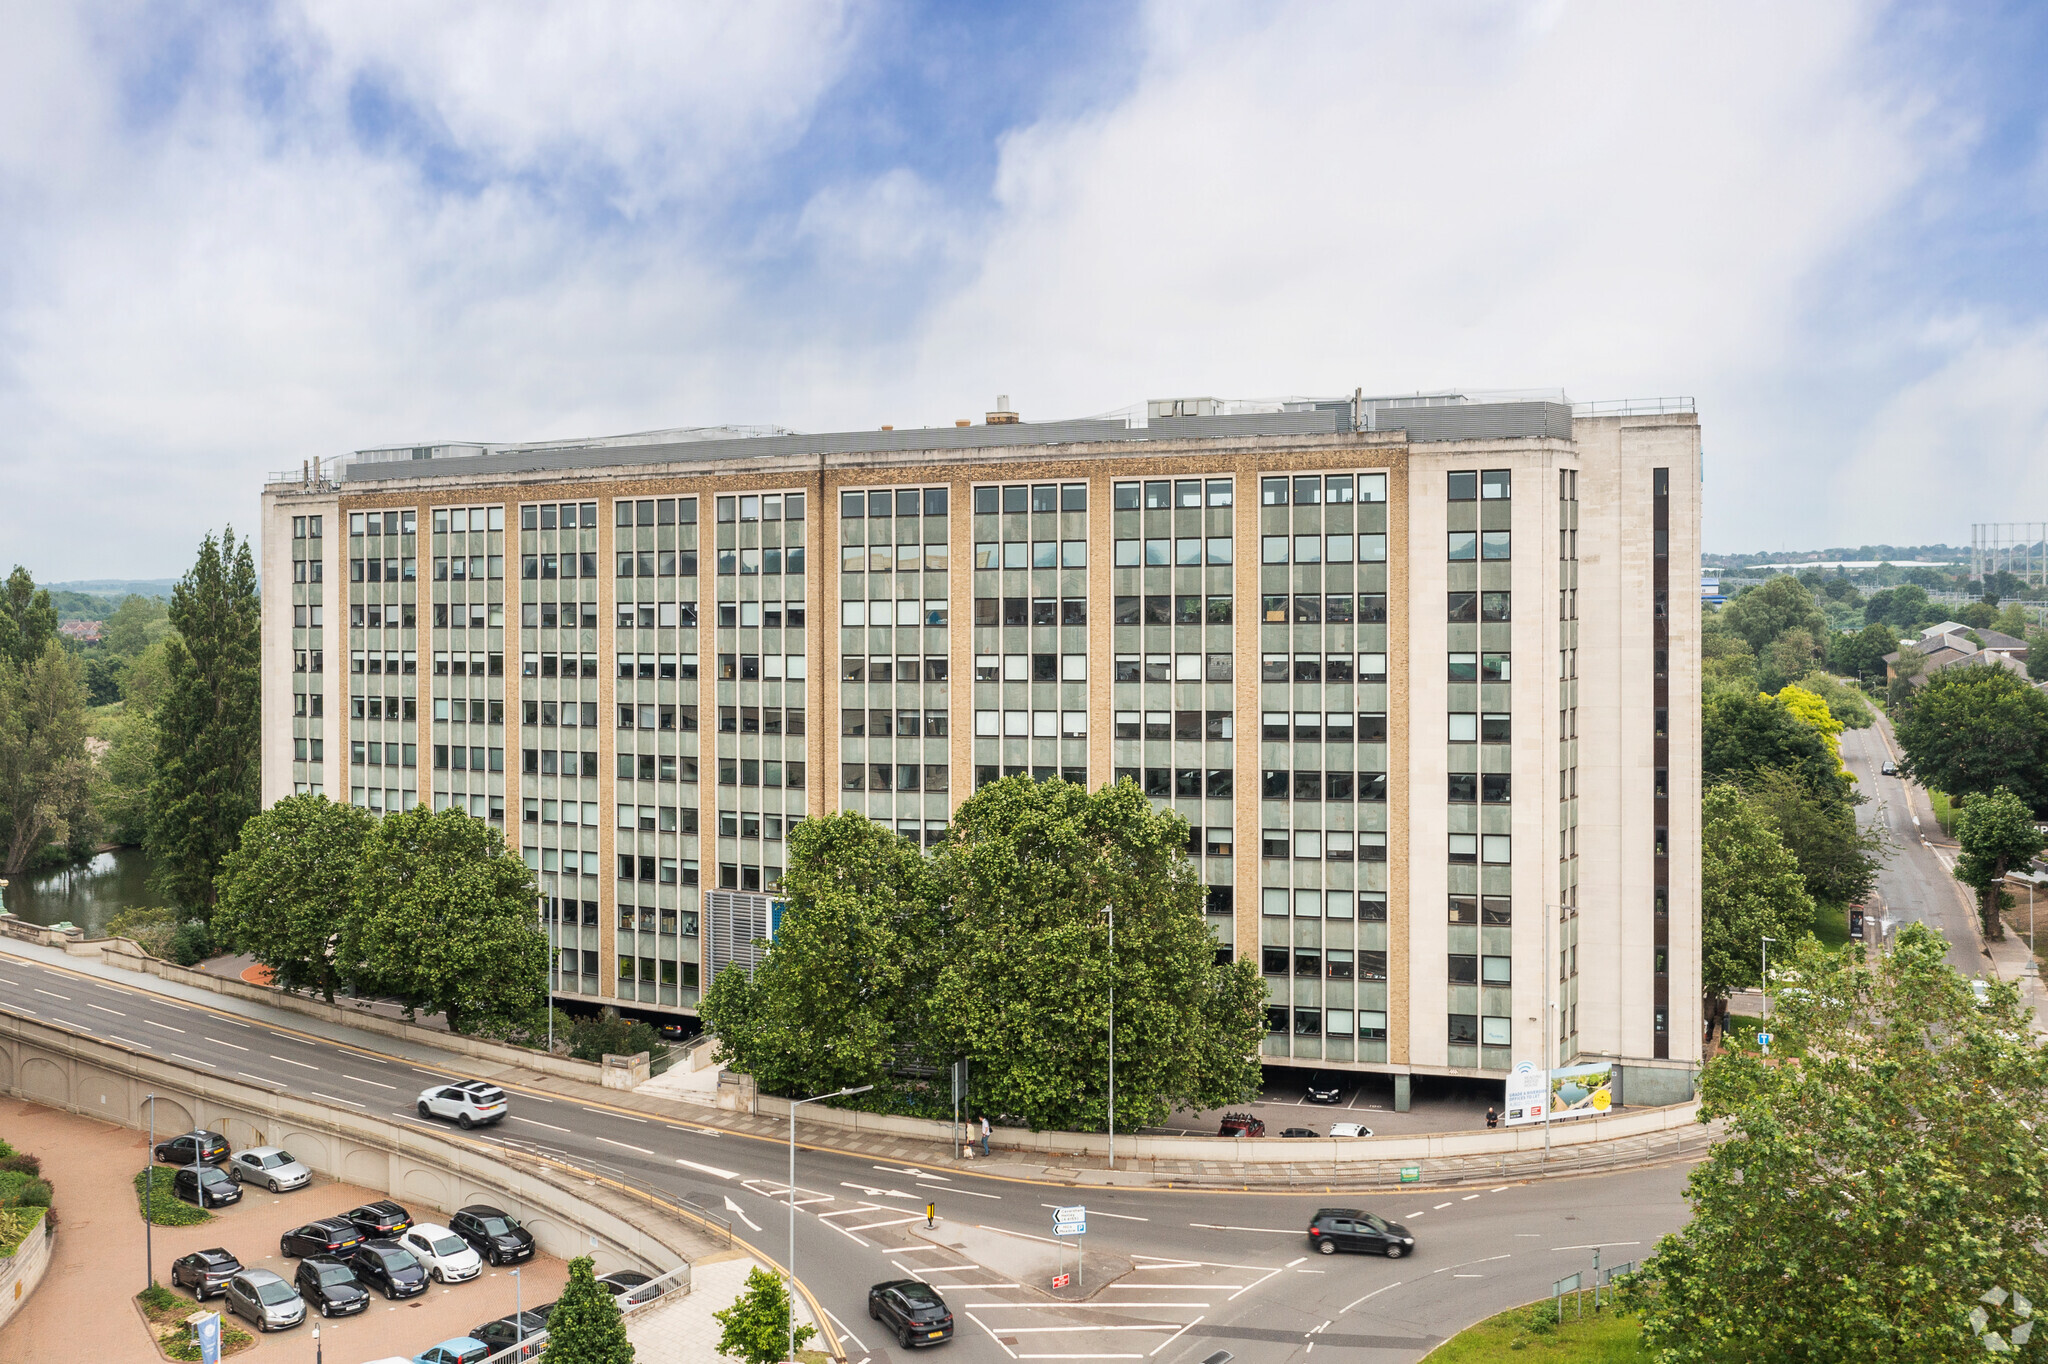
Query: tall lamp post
[
  {"x": 149, "y": 1201},
  {"x": 793, "y": 1105},
  {"x": 1111, "y": 910},
  {"x": 1766, "y": 984}
]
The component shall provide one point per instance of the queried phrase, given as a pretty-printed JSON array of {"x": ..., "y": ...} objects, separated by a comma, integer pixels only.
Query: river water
[{"x": 87, "y": 895}]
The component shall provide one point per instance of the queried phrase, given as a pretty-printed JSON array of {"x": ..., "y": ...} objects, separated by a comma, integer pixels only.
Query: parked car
[
  {"x": 1300, "y": 1132},
  {"x": 209, "y": 1148},
  {"x": 461, "y": 1350},
  {"x": 1324, "y": 1089},
  {"x": 1242, "y": 1125},
  {"x": 381, "y": 1218},
  {"x": 1335, "y": 1229},
  {"x": 265, "y": 1301},
  {"x": 469, "y": 1102},
  {"x": 330, "y": 1285},
  {"x": 1349, "y": 1129},
  {"x": 632, "y": 1285},
  {"x": 205, "y": 1272},
  {"x": 495, "y": 1235},
  {"x": 446, "y": 1256},
  {"x": 335, "y": 1236},
  {"x": 275, "y": 1170},
  {"x": 206, "y": 1186},
  {"x": 390, "y": 1268},
  {"x": 516, "y": 1329},
  {"x": 913, "y": 1310}
]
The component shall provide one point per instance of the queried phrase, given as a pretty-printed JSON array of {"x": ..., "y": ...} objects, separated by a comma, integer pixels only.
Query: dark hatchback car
[
  {"x": 506, "y": 1332},
  {"x": 209, "y": 1148},
  {"x": 208, "y": 1186},
  {"x": 1242, "y": 1125},
  {"x": 632, "y": 1285},
  {"x": 1335, "y": 1229},
  {"x": 335, "y": 1236},
  {"x": 1301, "y": 1132},
  {"x": 205, "y": 1272},
  {"x": 495, "y": 1235},
  {"x": 913, "y": 1310},
  {"x": 1323, "y": 1089},
  {"x": 331, "y": 1286},
  {"x": 389, "y": 1267},
  {"x": 382, "y": 1218}
]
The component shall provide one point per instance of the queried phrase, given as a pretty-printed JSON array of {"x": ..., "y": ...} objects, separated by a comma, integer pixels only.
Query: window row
[
  {"x": 731, "y": 877},
  {"x": 1315, "y": 609},
  {"x": 309, "y": 750},
  {"x": 1480, "y": 668},
  {"x": 1491, "y": 607},
  {"x": 675, "y": 974},
  {"x": 1314, "y": 963},
  {"x": 1322, "y": 549},
  {"x": 300, "y": 699},
  {"x": 306, "y": 527},
  {"x": 564, "y": 714},
  {"x": 309, "y": 570},
  {"x": 548, "y": 762},
  {"x": 396, "y": 570},
  {"x": 400, "y": 663},
  {"x": 666, "y": 871},
  {"x": 1162, "y": 495},
  {"x": 765, "y": 772},
  {"x": 564, "y": 812},
  {"x": 1030, "y": 724},
  {"x": 881, "y": 502},
  {"x": 396, "y": 708},
  {"x": 386, "y": 523},
  {"x": 987, "y": 773},
  {"x": 854, "y": 613},
  {"x": 376, "y": 616},
  {"x": 649, "y": 919},
  {"x": 1037, "y": 497},
  {"x": 773, "y": 720},
  {"x": 1010, "y": 554},
  {"x": 1031, "y": 667},
  {"x": 751, "y": 615},
  {"x": 763, "y": 507},
  {"x": 665, "y": 563},
  {"x": 883, "y": 724},
  {"x": 457, "y": 568},
  {"x": 658, "y": 511},
  {"x": 906, "y": 668},
  {"x": 1494, "y": 911},
  {"x": 747, "y": 824},
  {"x": 1494, "y": 849},
  {"x": 1174, "y": 667},
  {"x": 657, "y": 667},
  {"x": 461, "y": 520},
  {"x": 479, "y": 806},
  {"x": 1491, "y": 485},
  {"x": 746, "y": 563},
  {"x": 1480, "y": 727},
  {"x": 1371, "y": 1023},
  {"x": 477, "y": 615},
  {"x": 1306, "y": 490},
  {"x": 1182, "y": 726},
  {"x": 309, "y": 617},
  {"x": 457, "y": 758},
  {"x": 309, "y": 660},
  {"x": 1315, "y": 727},
  {"x": 1184, "y": 783},
  {"x": 1276, "y": 902},
  {"x": 1305, "y": 784},
  {"x": 373, "y": 754},
  {"x": 556, "y": 665},
  {"x": 1184, "y": 609},
  {"x": 1338, "y": 668},
  {"x": 1467, "y": 545},
  {"x": 549, "y": 567},
  {"x": 762, "y": 667},
  {"x": 565, "y": 515},
  {"x": 1033, "y": 610},
  {"x": 653, "y": 767},
  {"x": 893, "y": 777},
  {"x": 1315, "y": 845},
  {"x": 1188, "y": 551},
  {"x": 677, "y": 615},
  {"x": 1473, "y": 788}
]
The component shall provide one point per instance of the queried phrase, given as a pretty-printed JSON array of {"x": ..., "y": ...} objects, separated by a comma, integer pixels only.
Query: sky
[{"x": 235, "y": 234}]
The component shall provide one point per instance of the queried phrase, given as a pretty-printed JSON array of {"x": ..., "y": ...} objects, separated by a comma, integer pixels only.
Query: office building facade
[{"x": 1411, "y": 670}]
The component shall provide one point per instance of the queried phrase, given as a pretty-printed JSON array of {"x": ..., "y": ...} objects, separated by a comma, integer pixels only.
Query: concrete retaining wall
[{"x": 23, "y": 1270}]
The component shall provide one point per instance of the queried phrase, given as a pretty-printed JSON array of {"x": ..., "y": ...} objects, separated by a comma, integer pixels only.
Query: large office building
[{"x": 1412, "y": 670}]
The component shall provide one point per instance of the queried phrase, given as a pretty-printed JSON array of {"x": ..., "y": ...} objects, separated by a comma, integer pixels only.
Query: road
[
  {"x": 1205, "y": 1270},
  {"x": 1915, "y": 884}
]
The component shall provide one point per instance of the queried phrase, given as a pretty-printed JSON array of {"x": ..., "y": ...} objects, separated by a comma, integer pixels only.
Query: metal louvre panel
[
  {"x": 1478, "y": 421},
  {"x": 732, "y": 922}
]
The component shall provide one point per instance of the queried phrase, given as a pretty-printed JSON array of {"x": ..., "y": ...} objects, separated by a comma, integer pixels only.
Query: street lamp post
[
  {"x": 793, "y": 1106},
  {"x": 1112, "y": 1035},
  {"x": 149, "y": 1200},
  {"x": 1765, "y": 985},
  {"x": 316, "y": 1345},
  {"x": 518, "y": 1313}
]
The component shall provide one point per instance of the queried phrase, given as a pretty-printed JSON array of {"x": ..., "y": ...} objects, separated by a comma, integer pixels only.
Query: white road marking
[
  {"x": 332, "y": 1099},
  {"x": 1176, "y": 1335},
  {"x": 1057, "y": 1330},
  {"x": 104, "y": 1009},
  {"x": 1292, "y": 1263},
  {"x": 303, "y": 1065},
  {"x": 530, "y": 1122},
  {"x": 846, "y": 1330},
  {"x": 381, "y": 1085},
  {"x": 1374, "y": 1294},
  {"x": 128, "y": 1043},
  {"x": 708, "y": 1169},
  {"x": 1598, "y": 1245},
  {"x": 195, "y": 1061},
  {"x": 991, "y": 1334},
  {"x": 1097, "y": 1212},
  {"x": 1502, "y": 1189},
  {"x": 625, "y": 1146},
  {"x": 736, "y": 1211},
  {"x": 51, "y": 993},
  {"x": 1440, "y": 1207},
  {"x": 218, "y": 1043},
  {"x": 1468, "y": 1276},
  {"x": 260, "y": 1079},
  {"x": 1062, "y": 1306},
  {"x": 894, "y": 1222},
  {"x": 165, "y": 1026},
  {"x": 956, "y": 1189},
  {"x": 1468, "y": 1198},
  {"x": 1277, "y": 1231}
]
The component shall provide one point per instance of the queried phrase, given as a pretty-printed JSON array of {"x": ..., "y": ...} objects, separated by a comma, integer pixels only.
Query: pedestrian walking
[
  {"x": 984, "y": 1134},
  {"x": 1492, "y": 1118}
]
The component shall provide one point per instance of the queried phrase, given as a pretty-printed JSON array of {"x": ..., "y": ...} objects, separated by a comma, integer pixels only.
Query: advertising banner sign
[
  {"x": 1581, "y": 1091},
  {"x": 1528, "y": 1094}
]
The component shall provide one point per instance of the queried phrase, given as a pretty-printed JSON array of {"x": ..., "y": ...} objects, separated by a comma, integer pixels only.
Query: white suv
[
  {"x": 469, "y": 1102},
  {"x": 447, "y": 1257}
]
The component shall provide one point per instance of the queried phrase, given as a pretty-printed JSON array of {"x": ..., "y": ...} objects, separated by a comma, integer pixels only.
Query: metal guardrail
[{"x": 1634, "y": 407}]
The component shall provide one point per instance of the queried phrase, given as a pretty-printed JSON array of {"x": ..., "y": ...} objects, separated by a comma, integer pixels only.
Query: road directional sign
[{"x": 1070, "y": 1221}]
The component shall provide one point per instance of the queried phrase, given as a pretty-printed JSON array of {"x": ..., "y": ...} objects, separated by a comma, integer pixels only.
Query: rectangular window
[
  {"x": 1463, "y": 1029},
  {"x": 1494, "y": 607},
  {"x": 1463, "y": 608},
  {"x": 1464, "y": 545},
  {"x": 1273, "y": 548}
]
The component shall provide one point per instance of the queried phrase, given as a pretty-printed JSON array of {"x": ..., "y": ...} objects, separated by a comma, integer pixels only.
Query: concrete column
[{"x": 1401, "y": 1093}]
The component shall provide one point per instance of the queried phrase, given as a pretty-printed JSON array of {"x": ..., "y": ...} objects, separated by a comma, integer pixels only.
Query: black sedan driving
[{"x": 913, "y": 1310}]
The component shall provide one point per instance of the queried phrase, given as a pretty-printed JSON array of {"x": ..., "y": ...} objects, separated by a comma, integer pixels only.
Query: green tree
[
  {"x": 445, "y": 920},
  {"x": 757, "y": 1327},
  {"x": 1860, "y": 654},
  {"x": 28, "y": 620},
  {"x": 1848, "y": 705},
  {"x": 1971, "y": 730},
  {"x": 44, "y": 772},
  {"x": 1997, "y": 832},
  {"x": 585, "y": 1326},
  {"x": 1977, "y": 615},
  {"x": 1761, "y": 615},
  {"x": 2037, "y": 655},
  {"x": 1750, "y": 889},
  {"x": 1904, "y": 608},
  {"x": 1028, "y": 871},
  {"x": 1879, "y": 1173},
  {"x": 848, "y": 979},
  {"x": 1838, "y": 860},
  {"x": 1726, "y": 660},
  {"x": 2013, "y": 619},
  {"x": 288, "y": 889},
  {"x": 137, "y": 623},
  {"x": 1742, "y": 732},
  {"x": 207, "y": 723}
]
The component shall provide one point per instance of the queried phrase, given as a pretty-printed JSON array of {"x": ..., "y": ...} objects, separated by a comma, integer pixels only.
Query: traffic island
[
  {"x": 1534, "y": 1333},
  {"x": 172, "y": 1319},
  {"x": 1063, "y": 1270}
]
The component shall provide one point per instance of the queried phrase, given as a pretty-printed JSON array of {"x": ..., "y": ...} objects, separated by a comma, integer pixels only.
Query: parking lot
[{"x": 1437, "y": 1104}]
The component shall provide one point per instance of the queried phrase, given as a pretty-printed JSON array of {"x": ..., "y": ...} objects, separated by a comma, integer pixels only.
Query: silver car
[
  {"x": 269, "y": 1166},
  {"x": 265, "y": 1300}
]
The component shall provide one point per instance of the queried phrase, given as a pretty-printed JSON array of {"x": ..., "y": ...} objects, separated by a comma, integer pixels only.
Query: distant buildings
[
  {"x": 83, "y": 631},
  {"x": 1951, "y": 644}
]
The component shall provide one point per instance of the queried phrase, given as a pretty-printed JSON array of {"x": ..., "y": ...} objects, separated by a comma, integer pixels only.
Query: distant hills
[
  {"x": 1940, "y": 554},
  {"x": 116, "y": 588}
]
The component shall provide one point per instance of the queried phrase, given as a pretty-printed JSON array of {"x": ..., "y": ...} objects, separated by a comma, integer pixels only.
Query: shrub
[
  {"x": 22, "y": 1162},
  {"x": 165, "y": 1210},
  {"x": 192, "y": 943},
  {"x": 150, "y": 929},
  {"x": 592, "y": 1039},
  {"x": 159, "y": 1298}
]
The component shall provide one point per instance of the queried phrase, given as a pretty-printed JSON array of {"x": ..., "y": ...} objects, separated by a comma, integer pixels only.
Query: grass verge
[
  {"x": 1532, "y": 1333},
  {"x": 1831, "y": 925},
  {"x": 166, "y": 1312},
  {"x": 1944, "y": 812},
  {"x": 163, "y": 1209}
]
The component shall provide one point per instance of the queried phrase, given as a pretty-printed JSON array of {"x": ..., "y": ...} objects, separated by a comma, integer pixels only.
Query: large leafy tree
[
  {"x": 288, "y": 889},
  {"x": 848, "y": 979},
  {"x": 1761, "y": 614},
  {"x": 444, "y": 919},
  {"x": 756, "y": 1328},
  {"x": 1838, "y": 860},
  {"x": 1884, "y": 1169},
  {"x": 1744, "y": 732},
  {"x": 207, "y": 723},
  {"x": 585, "y": 1326},
  {"x": 44, "y": 770},
  {"x": 1971, "y": 730},
  {"x": 1997, "y": 832},
  {"x": 28, "y": 619},
  {"x": 1750, "y": 889},
  {"x": 1861, "y": 654},
  {"x": 1030, "y": 873}
]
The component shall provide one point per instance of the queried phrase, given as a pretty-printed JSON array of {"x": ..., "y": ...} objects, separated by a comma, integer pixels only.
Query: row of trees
[
  {"x": 427, "y": 907},
  {"x": 890, "y": 965}
]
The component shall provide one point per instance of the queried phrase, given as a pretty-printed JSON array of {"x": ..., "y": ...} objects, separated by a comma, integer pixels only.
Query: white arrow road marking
[
  {"x": 711, "y": 1170},
  {"x": 736, "y": 1211}
]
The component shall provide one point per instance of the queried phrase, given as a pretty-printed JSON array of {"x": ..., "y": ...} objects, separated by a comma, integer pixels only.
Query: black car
[
  {"x": 632, "y": 1285},
  {"x": 495, "y": 1235},
  {"x": 1323, "y": 1089},
  {"x": 335, "y": 1236},
  {"x": 331, "y": 1286},
  {"x": 193, "y": 1148},
  {"x": 206, "y": 1185},
  {"x": 1300, "y": 1132},
  {"x": 506, "y": 1332},
  {"x": 1242, "y": 1125},
  {"x": 913, "y": 1310},
  {"x": 1335, "y": 1229},
  {"x": 388, "y": 1266},
  {"x": 1888, "y": 768},
  {"x": 205, "y": 1272},
  {"x": 382, "y": 1218}
]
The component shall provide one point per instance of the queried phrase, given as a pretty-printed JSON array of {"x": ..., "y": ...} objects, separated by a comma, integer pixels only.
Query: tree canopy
[
  {"x": 1743, "y": 732},
  {"x": 586, "y": 1326},
  {"x": 28, "y": 620},
  {"x": 1997, "y": 833},
  {"x": 1838, "y": 860},
  {"x": 44, "y": 770},
  {"x": 1971, "y": 730},
  {"x": 1761, "y": 615},
  {"x": 1750, "y": 889},
  {"x": 288, "y": 888},
  {"x": 756, "y": 1328}
]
